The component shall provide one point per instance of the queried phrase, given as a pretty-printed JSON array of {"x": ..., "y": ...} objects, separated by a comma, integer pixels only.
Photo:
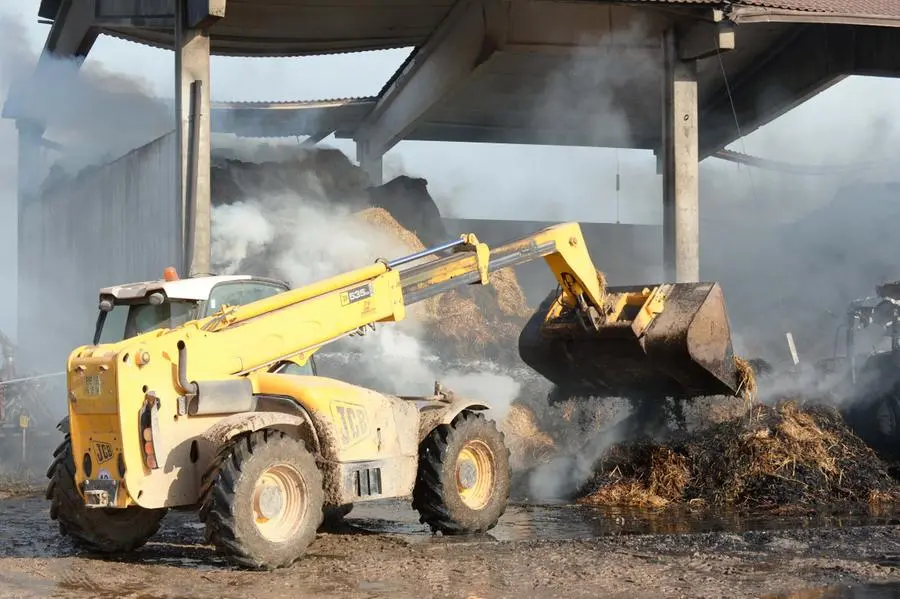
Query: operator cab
[{"x": 137, "y": 308}]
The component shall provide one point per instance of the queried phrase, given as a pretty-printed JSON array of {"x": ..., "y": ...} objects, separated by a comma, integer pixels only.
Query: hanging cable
[{"x": 737, "y": 122}]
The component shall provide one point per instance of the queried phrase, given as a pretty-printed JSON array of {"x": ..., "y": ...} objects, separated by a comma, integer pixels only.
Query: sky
[{"x": 461, "y": 175}]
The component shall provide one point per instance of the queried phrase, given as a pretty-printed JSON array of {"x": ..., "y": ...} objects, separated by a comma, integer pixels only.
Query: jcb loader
[{"x": 197, "y": 394}]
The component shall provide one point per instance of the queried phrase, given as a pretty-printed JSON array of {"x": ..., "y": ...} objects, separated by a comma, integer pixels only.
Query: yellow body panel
[{"x": 366, "y": 425}]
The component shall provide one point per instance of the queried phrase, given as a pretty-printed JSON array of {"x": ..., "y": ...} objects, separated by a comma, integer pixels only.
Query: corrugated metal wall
[{"x": 115, "y": 223}]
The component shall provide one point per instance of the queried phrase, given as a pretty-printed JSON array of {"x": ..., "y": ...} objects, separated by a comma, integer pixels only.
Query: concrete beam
[
  {"x": 160, "y": 14},
  {"x": 73, "y": 32},
  {"x": 71, "y": 36},
  {"x": 680, "y": 162},
  {"x": 875, "y": 51},
  {"x": 809, "y": 60},
  {"x": 467, "y": 133},
  {"x": 135, "y": 13},
  {"x": 464, "y": 41},
  {"x": 706, "y": 38},
  {"x": 192, "y": 105}
]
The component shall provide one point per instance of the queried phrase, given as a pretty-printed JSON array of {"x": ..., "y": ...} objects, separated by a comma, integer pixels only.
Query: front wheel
[
  {"x": 264, "y": 500},
  {"x": 96, "y": 529},
  {"x": 463, "y": 481}
]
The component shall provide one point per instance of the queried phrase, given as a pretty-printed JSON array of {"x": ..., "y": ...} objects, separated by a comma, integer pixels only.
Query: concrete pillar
[
  {"x": 28, "y": 185},
  {"x": 371, "y": 165},
  {"x": 680, "y": 166},
  {"x": 192, "y": 103}
]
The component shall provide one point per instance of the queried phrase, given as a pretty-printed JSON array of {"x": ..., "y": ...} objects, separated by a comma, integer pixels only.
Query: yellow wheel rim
[
  {"x": 279, "y": 502},
  {"x": 475, "y": 474}
]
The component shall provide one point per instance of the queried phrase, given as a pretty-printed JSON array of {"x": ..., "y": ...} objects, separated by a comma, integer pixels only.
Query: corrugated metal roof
[
  {"x": 236, "y": 104},
  {"x": 855, "y": 7}
]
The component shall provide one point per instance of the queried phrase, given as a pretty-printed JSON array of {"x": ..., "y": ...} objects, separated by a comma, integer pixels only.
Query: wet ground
[{"x": 536, "y": 551}]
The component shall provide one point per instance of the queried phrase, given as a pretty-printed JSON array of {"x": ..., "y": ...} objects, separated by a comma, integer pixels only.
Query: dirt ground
[{"x": 550, "y": 551}]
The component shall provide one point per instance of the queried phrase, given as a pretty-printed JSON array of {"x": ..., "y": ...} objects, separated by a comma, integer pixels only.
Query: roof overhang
[{"x": 742, "y": 15}]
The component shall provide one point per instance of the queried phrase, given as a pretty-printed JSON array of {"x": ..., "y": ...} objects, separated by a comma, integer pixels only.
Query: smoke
[
  {"x": 792, "y": 250},
  {"x": 95, "y": 115},
  {"x": 303, "y": 239}
]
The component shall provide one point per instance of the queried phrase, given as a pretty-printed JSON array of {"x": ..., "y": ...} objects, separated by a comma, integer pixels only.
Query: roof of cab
[{"x": 194, "y": 288}]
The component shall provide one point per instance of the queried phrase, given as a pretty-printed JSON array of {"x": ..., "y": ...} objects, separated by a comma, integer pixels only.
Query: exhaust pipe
[{"x": 189, "y": 388}]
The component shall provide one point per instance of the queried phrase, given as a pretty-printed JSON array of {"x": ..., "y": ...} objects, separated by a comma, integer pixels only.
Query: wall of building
[
  {"x": 626, "y": 254},
  {"x": 114, "y": 223}
]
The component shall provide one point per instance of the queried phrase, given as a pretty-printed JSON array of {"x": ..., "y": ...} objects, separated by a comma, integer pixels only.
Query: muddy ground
[{"x": 536, "y": 551}]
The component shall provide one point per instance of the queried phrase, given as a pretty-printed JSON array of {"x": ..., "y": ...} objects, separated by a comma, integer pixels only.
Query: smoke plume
[{"x": 305, "y": 239}]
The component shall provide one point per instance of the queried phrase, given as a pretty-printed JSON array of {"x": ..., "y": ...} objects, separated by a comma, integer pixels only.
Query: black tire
[
  {"x": 876, "y": 422},
  {"x": 436, "y": 495},
  {"x": 227, "y": 508},
  {"x": 94, "y": 529}
]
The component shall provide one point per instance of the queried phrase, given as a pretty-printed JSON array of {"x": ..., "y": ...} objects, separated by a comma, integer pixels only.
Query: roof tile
[{"x": 886, "y": 8}]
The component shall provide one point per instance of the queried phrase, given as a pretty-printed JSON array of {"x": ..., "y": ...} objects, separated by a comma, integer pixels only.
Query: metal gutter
[{"x": 757, "y": 14}]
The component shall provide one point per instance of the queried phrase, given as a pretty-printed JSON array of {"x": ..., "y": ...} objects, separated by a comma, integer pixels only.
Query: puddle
[
  {"x": 569, "y": 522},
  {"x": 27, "y": 531},
  {"x": 890, "y": 590}
]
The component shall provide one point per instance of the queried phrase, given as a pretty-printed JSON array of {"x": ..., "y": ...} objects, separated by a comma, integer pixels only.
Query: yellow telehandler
[{"x": 199, "y": 394}]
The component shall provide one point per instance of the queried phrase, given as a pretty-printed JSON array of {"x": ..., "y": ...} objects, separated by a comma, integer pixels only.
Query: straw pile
[{"x": 778, "y": 456}]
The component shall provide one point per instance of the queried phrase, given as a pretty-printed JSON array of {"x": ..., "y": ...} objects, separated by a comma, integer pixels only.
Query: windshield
[{"x": 128, "y": 320}]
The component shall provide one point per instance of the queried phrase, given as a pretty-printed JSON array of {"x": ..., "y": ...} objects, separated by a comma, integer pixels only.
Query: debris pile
[{"x": 774, "y": 457}]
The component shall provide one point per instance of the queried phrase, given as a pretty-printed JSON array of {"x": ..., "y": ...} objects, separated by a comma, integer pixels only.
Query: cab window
[
  {"x": 292, "y": 368},
  {"x": 238, "y": 293}
]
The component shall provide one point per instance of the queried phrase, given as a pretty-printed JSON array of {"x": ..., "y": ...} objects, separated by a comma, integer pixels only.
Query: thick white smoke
[{"x": 305, "y": 239}]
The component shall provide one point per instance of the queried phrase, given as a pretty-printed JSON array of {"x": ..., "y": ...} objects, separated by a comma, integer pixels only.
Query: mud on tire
[
  {"x": 463, "y": 480},
  {"x": 94, "y": 529},
  {"x": 263, "y": 500}
]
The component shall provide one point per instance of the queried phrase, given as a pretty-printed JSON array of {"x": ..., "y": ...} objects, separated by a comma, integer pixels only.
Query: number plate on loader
[{"x": 92, "y": 385}]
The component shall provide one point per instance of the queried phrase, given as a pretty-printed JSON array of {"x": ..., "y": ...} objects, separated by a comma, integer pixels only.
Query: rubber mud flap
[{"x": 686, "y": 351}]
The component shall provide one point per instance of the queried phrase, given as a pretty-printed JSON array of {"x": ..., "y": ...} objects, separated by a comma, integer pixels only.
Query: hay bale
[{"x": 779, "y": 456}]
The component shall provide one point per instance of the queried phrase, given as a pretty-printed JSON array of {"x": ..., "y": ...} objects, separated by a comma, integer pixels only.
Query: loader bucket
[{"x": 684, "y": 352}]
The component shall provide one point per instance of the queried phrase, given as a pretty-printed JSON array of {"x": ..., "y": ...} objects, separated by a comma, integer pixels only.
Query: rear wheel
[
  {"x": 94, "y": 529},
  {"x": 463, "y": 481},
  {"x": 264, "y": 500}
]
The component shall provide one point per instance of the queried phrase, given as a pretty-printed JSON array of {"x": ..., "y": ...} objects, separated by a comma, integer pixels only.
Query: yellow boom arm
[{"x": 671, "y": 339}]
